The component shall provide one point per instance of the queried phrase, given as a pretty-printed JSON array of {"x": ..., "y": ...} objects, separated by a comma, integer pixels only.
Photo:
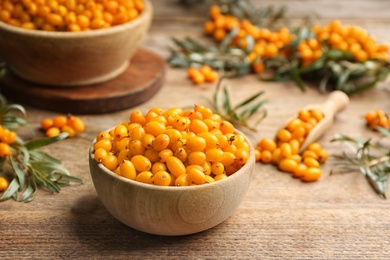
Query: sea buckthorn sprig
[
  {"x": 69, "y": 15},
  {"x": 23, "y": 167},
  {"x": 173, "y": 147},
  {"x": 59, "y": 124},
  {"x": 369, "y": 157},
  {"x": 247, "y": 113},
  {"x": 377, "y": 118},
  {"x": 335, "y": 56},
  {"x": 283, "y": 151}
]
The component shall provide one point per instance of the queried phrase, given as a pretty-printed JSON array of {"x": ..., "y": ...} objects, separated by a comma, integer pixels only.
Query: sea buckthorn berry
[
  {"x": 214, "y": 155},
  {"x": 152, "y": 155},
  {"x": 159, "y": 166},
  {"x": 286, "y": 150},
  {"x": 163, "y": 155},
  {"x": 210, "y": 139},
  {"x": 257, "y": 155},
  {"x": 69, "y": 130},
  {"x": 155, "y": 128},
  {"x": 59, "y": 121},
  {"x": 5, "y": 149},
  {"x": 104, "y": 143},
  {"x": 161, "y": 142},
  {"x": 76, "y": 123},
  {"x": 322, "y": 156},
  {"x": 209, "y": 179},
  {"x": 175, "y": 166},
  {"x": 283, "y": 135},
  {"x": 295, "y": 146},
  {"x": 296, "y": 157},
  {"x": 127, "y": 170},
  {"x": 242, "y": 156},
  {"x": 196, "y": 176},
  {"x": 220, "y": 177},
  {"x": 52, "y": 132},
  {"x": 300, "y": 170},
  {"x": 137, "y": 117},
  {"x": 110, "y": 161},
  {"x": 196, "y": 158},
  {"x": 99, "y": 154},
  {"x": 311, "y": 174},
  {"x": 309, "y": 154},
  {"x": 228, "y": 158},
  {"x": 136, "y": 147},
  {"x": 162, "y": 178},
  {"x": 217, "y": 168},
  {"x": 3, "y": 184},
  {"x": 46, "y": 123},
  {"x": 8, "y": 136},
  {"x": 195, "y": 143},
  {"x": 206, "y": 166},
  {"x": 181, "y": 153},
  {"x": 120, "y": 131},
  {"x": 198, "y": 126},
  {"x": 267, "y": 156},
  {"x": 267, "y": 144},
  {"x": 226, "y": 127},
  {"x": 147, "y": 141},
  {"x": 145, "y": 177},
  {"x": 288, "y": 165},
  {"x": 183, "y": 180},
  {"x": 103, "y": 135},
  {"x": 311, "y": 162},
  {"x": 137, "y": 133},
  {"x": 141, "y": 163}
]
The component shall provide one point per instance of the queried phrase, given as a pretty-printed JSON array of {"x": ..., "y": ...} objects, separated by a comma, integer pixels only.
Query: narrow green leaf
[
  {"x": 19, "y": 173},
  {"x": 37, "y": 143},
  {"x": 11, "y": 190}
]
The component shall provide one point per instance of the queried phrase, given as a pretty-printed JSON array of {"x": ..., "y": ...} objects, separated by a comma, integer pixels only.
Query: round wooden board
[{"x": 141, "y": 80}]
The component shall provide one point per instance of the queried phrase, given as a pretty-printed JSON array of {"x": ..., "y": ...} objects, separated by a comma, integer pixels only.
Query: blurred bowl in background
[{"x": 71, "y": 59}]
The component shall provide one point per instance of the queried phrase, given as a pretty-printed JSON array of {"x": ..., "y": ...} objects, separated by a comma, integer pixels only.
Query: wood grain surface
[{"x": 337, "y": 217}]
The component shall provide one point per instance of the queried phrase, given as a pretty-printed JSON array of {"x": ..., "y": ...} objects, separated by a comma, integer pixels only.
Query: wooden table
[{"x": 337, "y": 217}]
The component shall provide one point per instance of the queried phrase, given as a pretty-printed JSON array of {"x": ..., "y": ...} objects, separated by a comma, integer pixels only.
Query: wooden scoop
[{"x": 336, "y": 102}]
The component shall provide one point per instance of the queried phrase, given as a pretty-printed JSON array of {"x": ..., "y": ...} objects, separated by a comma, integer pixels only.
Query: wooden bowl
[
  {"x": 69, "y": 58},
  {"x": 171, "y": 210}
]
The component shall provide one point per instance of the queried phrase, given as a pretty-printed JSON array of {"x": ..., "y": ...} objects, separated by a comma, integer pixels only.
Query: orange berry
[
  {"x": 60, "y": 121},
  {"x": 53, "y": 131},
  {"x": 3, "y": 184},
  {"x": 46, "y": 123}
]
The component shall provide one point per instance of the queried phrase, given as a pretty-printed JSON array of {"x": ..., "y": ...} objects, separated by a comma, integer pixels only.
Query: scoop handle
[{"x": 336, "y": 102}]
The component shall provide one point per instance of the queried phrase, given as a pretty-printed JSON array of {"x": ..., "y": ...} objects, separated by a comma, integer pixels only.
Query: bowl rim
[
  {"x": 248, "y": 164},
  {"x": 144, "y": 15}
]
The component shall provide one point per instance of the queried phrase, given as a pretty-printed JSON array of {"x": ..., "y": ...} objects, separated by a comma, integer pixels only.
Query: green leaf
[
  {"x": 40, "y": 142},
  {"x": 11, "y": 190},
  {"x": 30, "y": 192},
  {"x": 19, "y": 173}
]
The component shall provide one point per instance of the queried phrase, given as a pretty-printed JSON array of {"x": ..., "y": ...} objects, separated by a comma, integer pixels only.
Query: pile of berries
[
  {"x": 283, "y": 151},
  {"x": 7, "y": 137},
  {"x": 69, "y": 15},
  {"x": 353, "y": 39},
  {"x": 70, "y": 124},
  {"x": 204, "y": 74},
  {"x": 174, "y": 147},
  {"x": 376, "y": 118},
  {"x": 267, "y": 43}
]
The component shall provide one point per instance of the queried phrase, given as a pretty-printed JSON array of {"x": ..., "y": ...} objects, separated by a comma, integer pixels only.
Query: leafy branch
[
  {"x": 369, "y": 158},
  {"x": 241, "y": 113},
  {"x": 29, "y": 167}
]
